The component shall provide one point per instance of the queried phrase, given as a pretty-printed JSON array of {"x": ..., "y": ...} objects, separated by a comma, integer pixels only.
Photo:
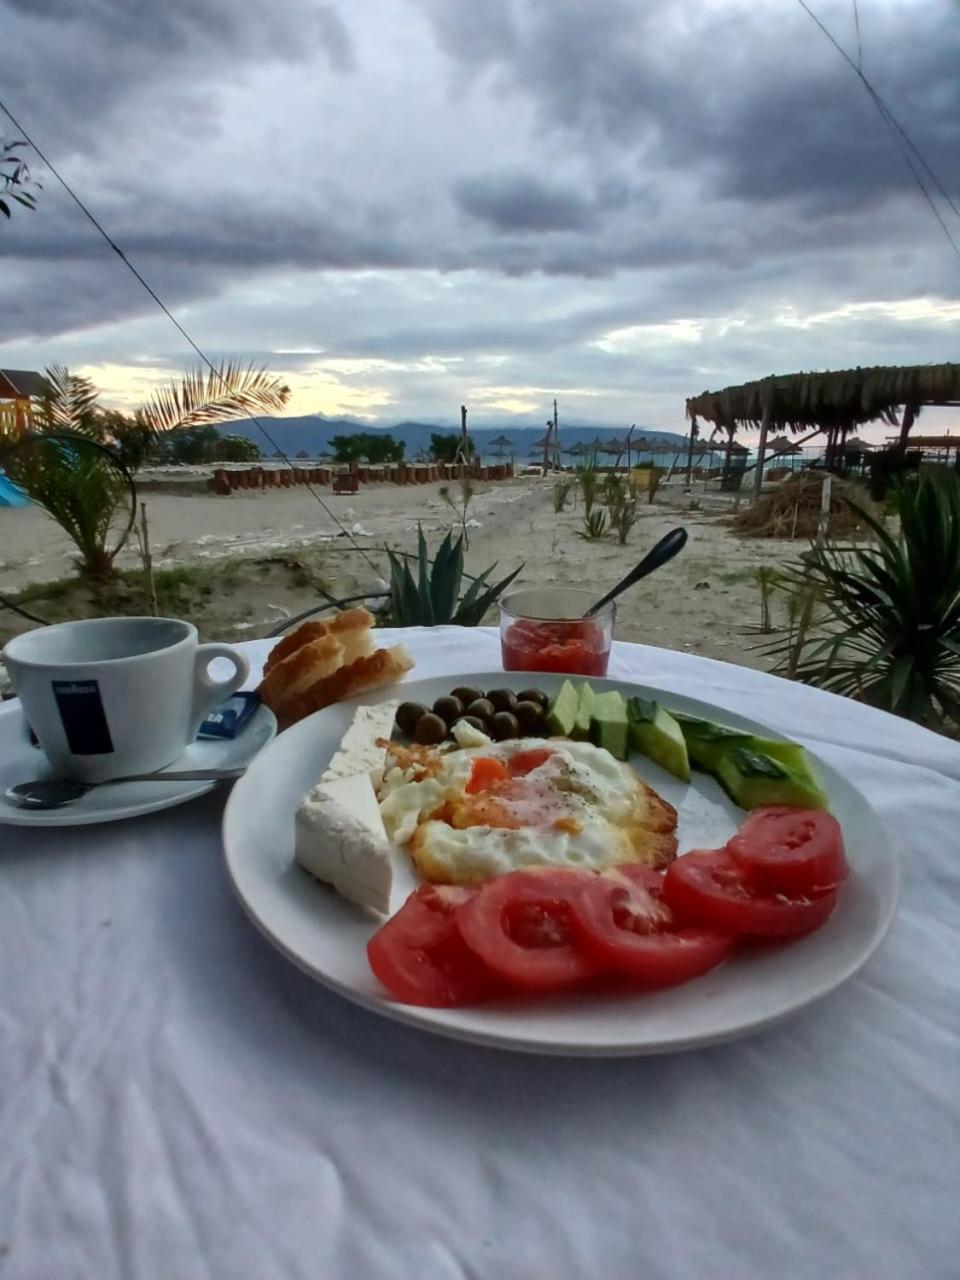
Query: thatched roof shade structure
[
  {"x": 833, "y": 402},
  {"x": 780, "y": 445},
  {"x": 818, "y": 401}
]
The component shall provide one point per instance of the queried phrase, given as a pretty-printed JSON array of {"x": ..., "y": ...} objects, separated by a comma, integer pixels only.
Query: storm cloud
[{"x": 405, "y": 204}]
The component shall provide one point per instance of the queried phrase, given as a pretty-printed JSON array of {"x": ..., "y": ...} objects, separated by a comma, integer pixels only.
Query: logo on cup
[{"x": 82, "y": 717}]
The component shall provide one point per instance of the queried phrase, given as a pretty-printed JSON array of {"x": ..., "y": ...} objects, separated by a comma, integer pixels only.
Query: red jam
[{"x": 577, "y": 647}]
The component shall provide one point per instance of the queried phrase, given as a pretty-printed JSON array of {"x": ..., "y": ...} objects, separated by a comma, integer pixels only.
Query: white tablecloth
[{"x": 178, "y": 1101}]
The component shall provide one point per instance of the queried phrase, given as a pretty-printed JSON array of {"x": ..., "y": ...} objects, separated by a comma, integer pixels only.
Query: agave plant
[
  {"x": 77, "y": 463},
  {"x": 432, "y": 597},
  {"x": 588, "y": 478},
  {"x": 594, "y": 525},
  {"x": 621, "y": 498},
  {"x": 561, "y": 492},
  {"x": 887, "y": 625}
]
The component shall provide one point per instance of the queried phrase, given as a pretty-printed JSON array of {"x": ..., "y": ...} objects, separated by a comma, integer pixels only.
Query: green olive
[
  {"x": 529, "y": 715},
  {"x": 448, "y": 708},
  {"x": 502, "y": 699},
  {"x": 408, "y": 713},
  {"x": 430, "y": 729},
  {"x": 483, "y": 709},
  {"x": 533, "y": 695},
  {"x": 504, "y": 725}
]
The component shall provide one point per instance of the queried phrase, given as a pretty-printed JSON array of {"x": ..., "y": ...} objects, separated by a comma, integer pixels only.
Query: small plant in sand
[
  {"x": 588, "y": 478},
  {"x": 459, "y": 503},
  {"x": 654, "y": 476},
  {"x": 561, "y": 494},
  {"x": 622, "y": 498},
  {"x": 432, "y": 597},
  {"x": 594, "y": 525}
]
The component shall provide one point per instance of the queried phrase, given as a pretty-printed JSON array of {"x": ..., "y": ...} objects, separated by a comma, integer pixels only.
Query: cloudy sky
[{"x": 403, "y": 204}]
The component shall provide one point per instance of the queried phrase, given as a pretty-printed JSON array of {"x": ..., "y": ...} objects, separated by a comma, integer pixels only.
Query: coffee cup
[{"x": 111, "y": 696}]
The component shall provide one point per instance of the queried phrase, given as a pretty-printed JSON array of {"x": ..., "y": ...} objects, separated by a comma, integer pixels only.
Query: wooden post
[
  {"x": 762, "y": 447},
  {"x": 693, "y": 436},
  {"x": 823, "y": 524},
  {"x": 909, "y": 417},
  {"x": 147, "y": 562}
]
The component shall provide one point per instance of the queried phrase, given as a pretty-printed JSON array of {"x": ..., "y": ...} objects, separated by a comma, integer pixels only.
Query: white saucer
[{"x": 20, "y": 762}]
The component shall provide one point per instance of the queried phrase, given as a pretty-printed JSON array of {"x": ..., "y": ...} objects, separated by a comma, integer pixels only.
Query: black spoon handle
[{"x": 669, "y": 545}]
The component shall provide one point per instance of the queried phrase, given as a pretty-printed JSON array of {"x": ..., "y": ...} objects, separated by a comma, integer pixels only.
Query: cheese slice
[
  {"x": 358, "y": 751},
  {"x": 341, "y": 840}
]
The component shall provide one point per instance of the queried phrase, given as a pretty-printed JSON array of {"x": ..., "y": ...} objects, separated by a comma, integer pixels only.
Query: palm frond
[
  {"x": 70, "y": 404},
  {"x": 204, "y": 396}
]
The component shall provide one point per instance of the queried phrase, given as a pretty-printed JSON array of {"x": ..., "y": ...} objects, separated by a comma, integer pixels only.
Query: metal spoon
[
  {"x": 668, "y": 546},
  {"x": 55, "y": 793}
]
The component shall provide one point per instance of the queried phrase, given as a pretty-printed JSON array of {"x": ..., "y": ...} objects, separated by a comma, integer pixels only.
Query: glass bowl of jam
[{"x": 543, "y": 629}]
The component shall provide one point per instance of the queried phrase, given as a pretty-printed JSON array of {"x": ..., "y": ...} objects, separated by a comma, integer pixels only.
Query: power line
[
  {"x": 176, "y": 323},
  {"x": 856, "y": 23},
  {"x": 904, "y": 141}
]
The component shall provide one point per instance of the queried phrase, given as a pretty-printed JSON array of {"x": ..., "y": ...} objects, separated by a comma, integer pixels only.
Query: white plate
[
  {"x": 20, "y": 762},
  {"x": 326, "y": 937}
]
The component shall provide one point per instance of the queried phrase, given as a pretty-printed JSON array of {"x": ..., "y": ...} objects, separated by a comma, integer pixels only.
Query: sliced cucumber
[
  {"x": 563, "y": 710},
  {"x": 581, "y": 725},
  {"x": 707, "y": 741},
  {"x": 755, "y": 779},
  {"x": 608, "y": 723},
  {"x": 655, "y": 733}
]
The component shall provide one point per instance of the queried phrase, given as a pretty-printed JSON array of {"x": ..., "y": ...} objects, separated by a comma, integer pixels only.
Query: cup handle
[{"x": 208, "y": 693}]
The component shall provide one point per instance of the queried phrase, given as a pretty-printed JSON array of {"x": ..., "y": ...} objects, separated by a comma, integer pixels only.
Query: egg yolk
[{"x": 500, "y": 794}]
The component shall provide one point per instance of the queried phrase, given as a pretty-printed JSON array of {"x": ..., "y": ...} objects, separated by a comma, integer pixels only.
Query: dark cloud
[
  {"x": 83, "y": 66},
  {"x": 520, "y": 202},
  {"x": 506, "y": 181}
]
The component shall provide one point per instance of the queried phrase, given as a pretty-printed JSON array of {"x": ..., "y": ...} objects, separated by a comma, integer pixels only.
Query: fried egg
[{"x": 466, "y": 815}]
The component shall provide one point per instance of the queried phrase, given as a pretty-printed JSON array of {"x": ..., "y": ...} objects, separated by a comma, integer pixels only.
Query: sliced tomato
[
  {"x": 708, "y": 887},
  {"x": 791, "y": 851},
  {"x": 486, "y": 772},
  {"x": 420, "y": 956},
  {"x": 522, "y": 927},
  {"x": 628, "y": 928}
]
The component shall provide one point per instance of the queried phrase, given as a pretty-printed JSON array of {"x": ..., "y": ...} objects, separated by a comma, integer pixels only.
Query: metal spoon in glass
[
  {"x": 55, "y": 793},
  {"x": 668, "y": 546}
]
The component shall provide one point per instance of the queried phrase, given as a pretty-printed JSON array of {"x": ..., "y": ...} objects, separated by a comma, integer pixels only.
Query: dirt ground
[{"x": 237, "y": 565}]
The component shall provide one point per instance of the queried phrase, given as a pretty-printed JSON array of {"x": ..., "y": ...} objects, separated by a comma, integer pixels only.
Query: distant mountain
[{"x": 313, "y": 434}]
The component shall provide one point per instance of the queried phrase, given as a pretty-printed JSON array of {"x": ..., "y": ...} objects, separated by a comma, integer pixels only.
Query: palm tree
[{"x": 78, "y": 462}]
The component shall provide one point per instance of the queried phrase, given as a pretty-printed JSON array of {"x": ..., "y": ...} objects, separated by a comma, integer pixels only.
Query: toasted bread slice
[
  {"x": 304, "y": 634},
  {"x": 345, "y": 626},
  {"x": 303, "y": 668},
  {"x": 379, "y": 668}
]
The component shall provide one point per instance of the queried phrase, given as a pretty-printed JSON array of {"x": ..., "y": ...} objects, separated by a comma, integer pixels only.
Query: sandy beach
[{"x": 256, "y": 554}]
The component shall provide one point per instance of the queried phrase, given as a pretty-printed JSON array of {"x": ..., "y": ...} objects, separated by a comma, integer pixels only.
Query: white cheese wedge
[
  {"x": 340, "y": 839},
  {"x": 468, "y": 735},
  {"x": 358, "y": 751}
]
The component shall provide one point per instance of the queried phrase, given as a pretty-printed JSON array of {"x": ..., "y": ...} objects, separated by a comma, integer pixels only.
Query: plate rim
[
  {"x": 11, "y": 817},
  {"x": 430, "y": 1020}
]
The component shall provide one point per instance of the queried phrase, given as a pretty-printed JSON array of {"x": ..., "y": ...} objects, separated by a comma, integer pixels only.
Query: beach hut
[{"x": 18, "y": 389}]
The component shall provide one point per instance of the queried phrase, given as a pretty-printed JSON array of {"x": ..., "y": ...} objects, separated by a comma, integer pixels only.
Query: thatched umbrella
[
  {"x": 501, "y": 445},
  {"x": 615, "y": 449}
]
